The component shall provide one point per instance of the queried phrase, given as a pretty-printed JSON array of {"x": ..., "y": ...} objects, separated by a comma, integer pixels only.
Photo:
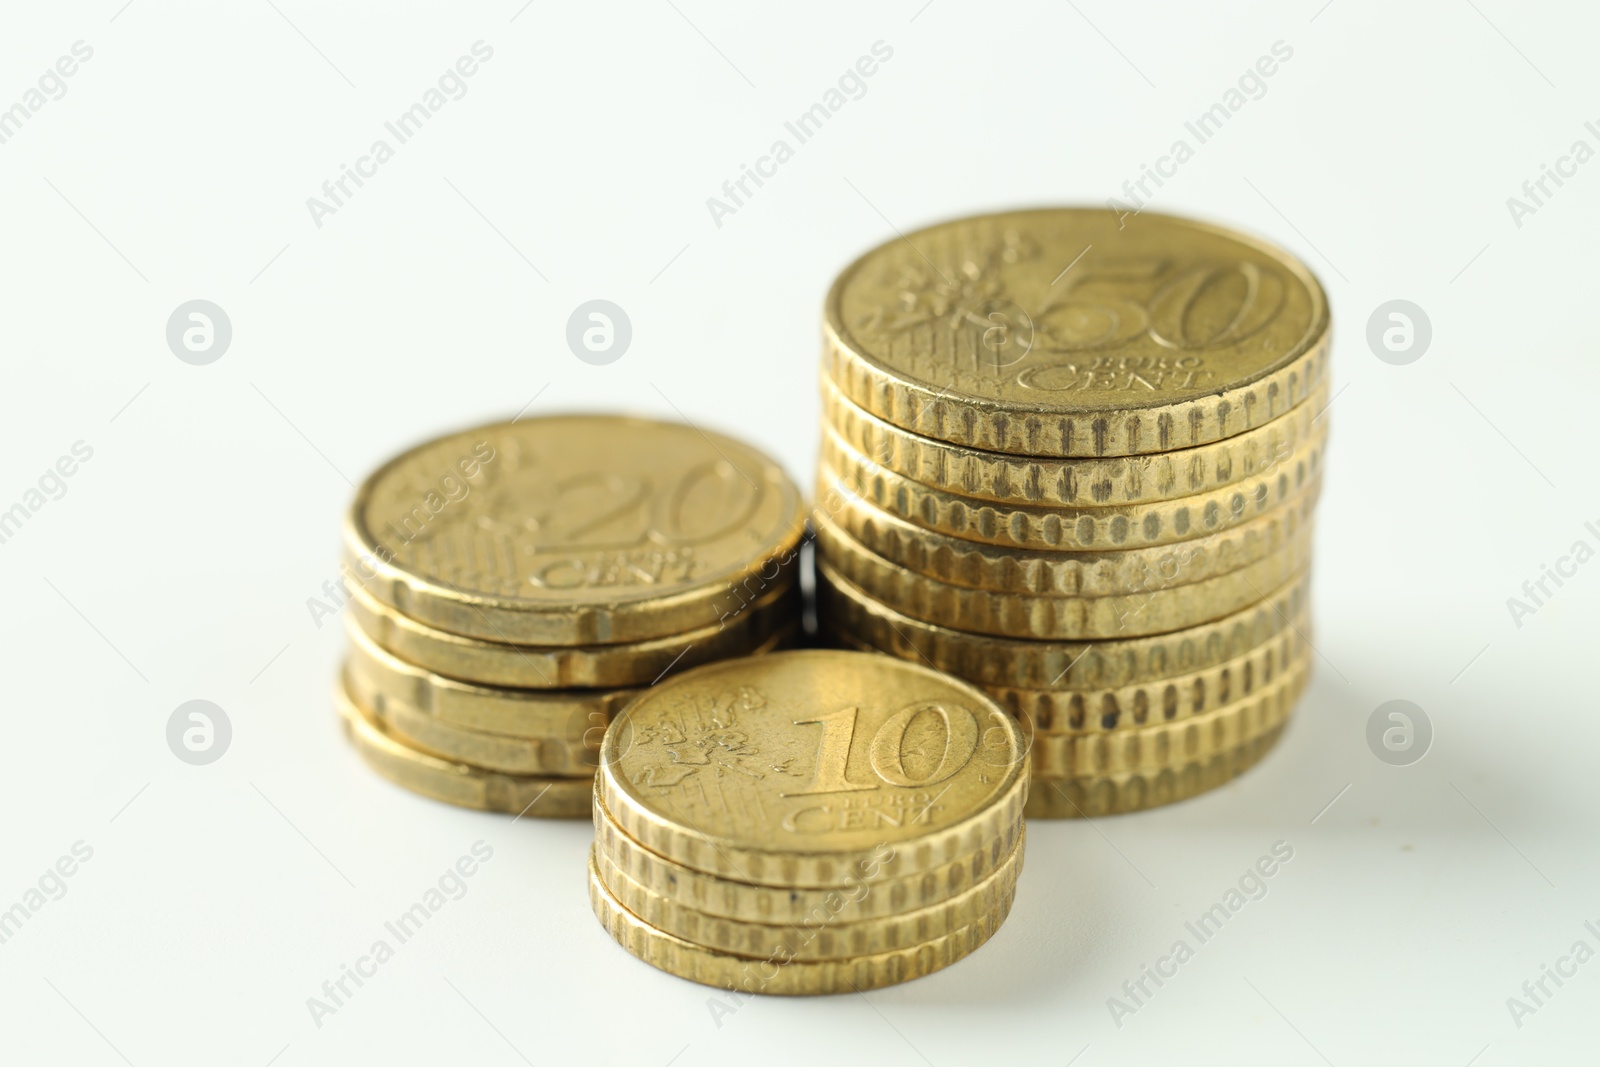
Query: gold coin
[
  {"x": 793, "y": 769},
  {"x": 457, "y": 783},
  {"x": 1075, "y": 529},
  {"x": 574, "y": 530},
  {"x": 1116, "y": 794},
  {"x": 470, "y": 659},
  {"x": 1176, "y": 699},
  {"x": 1024, "y": 615},
  {"x": 707, "y": 893},
  {"x": 557, "y": 754},
  {"x": 778, "y": 974},
  {"x": 571, "y": 715},
  {"x": 824, "y": 934},
  {"x": 1088, "y": 574},
  {"x": 1147, "y": 749},
  {"x": 375, "y": 675},
  {"x": 1099, "y": 482},
  {"x": 1091, "y": 665},
  {"x": 1076, "y": 332}
]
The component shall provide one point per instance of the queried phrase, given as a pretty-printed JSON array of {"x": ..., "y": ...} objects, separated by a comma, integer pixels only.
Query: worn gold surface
[
  {"x": 574, "y": 529},
  {"x": 1074, "y": 529},
  {"x": 1078, "y": 665},
  {"x": 778, "y": 974},
  {"x": 824, "y": 934},
  {"x": 793, "y": 768},
  {"x": 470, "y": 659},
  {"x": 1096, "y": 482},
  {"x": 1052, "y": 617},
  {"x": 891, "y": 895},
  {"x": 457, "y": 783},
  {"x": 976, "y": 565},
  {"x": 1076, "y": 332}
]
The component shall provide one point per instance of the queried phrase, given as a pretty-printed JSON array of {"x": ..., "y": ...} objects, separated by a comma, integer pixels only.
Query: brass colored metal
[
  {"x": 1076, "y": 332},
  {"x": 776, "y": 974},
  {"x": 1097, "y": 482},
  {"x": 1073, "y": 666},
  {"x": 470, "y": 659},
  {"x": 1024, "y": 615},
  {"x": 795, "y": 768},
  {"x": 457, "y": 783},
  {"x": 574, "y": 530},
  {"x": 1119, "y": 572},
  {"x": 822, "y": 935},
  {"x": 1068, "y": 529},
  {"x": 793, "y": 904}
]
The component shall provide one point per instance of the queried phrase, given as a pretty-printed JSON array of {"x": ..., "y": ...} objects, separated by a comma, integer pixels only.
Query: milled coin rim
[
  {"x": 1054, "y": 617},
  {"x": 749, "y": 902},
  {"x": 1081, "y": 430},
  {"x": 981, "y": 565},
  {"x": 565, "y": 667},
  {"x": 1033, "y": 664},
  {"x": 1049, "y": 528},
  {"x": 608, "y": 618},
  {"x": 695, "y": 963},
  {"x": 827, "y": 938},
  {"x": 458, "y": 783},
  {"x": 1149, "y": 749},
  {"x": 1077, "y": 482},
  {"x": 746, "y": 861}
]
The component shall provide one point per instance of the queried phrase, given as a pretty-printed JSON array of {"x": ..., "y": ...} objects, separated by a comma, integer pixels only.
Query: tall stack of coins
[
  {"x": 808, "y": 822},
  {"x": 513, "y": 586},
  {"x": 1071, "y": 456}
]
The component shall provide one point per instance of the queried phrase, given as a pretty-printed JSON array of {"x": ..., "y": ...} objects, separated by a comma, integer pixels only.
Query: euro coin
[
  {"x": 1074, "y": 529},
  {"x": 1048, "y": 617},
  {"x": 714, "y": 896},
  {"x": 1147, "y": 749},
  {"x": 1119, "y": 572},
  {"x": 375, "y": 675},
  {"x": 1097, "y": 482},
  {"x": 471, "y": 659},
  {"x": 795, "y": 768},
  {"x": 1115, "y": 794},
  {"x": 1177, "y": 699},
  {"x": 458, "y": 783},
  {"x": 823, "y": 934},
  {"x": 1067, "y": 665},
  {"x": 1076, "y": 332},
  {"x": 777, "y": 973},
  {"x": 574, "y": 530}
]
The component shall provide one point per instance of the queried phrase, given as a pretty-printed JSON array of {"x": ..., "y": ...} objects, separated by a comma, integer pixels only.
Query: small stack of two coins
[
  {"x": 1072, "y": 456},
  {"x": 808, "y": 822},
  {"x": 513, "y": 586}
]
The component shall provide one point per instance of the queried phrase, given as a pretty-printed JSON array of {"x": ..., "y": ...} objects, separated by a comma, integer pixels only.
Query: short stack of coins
[
  {"x": 513, "y": 586},
  {"x": 808, "y": 822},
  {"x": 1071, "y": 456}
]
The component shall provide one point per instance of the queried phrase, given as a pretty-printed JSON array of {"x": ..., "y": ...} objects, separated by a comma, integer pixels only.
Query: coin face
[
  {"x": 801, "y": 754},
  {"x": 574, "y": 529},
  {"x": 1050, "y": 314}
]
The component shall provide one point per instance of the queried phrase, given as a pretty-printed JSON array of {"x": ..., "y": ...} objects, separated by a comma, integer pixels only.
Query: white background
[{"x": 179, "y": 562}]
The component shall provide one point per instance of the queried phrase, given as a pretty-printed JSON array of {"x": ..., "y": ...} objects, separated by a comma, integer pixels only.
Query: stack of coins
[
  {"x": 1072, "y": 456},
  {"x": 808, "y": 822},
  {"x": 513, "y": 586}
]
